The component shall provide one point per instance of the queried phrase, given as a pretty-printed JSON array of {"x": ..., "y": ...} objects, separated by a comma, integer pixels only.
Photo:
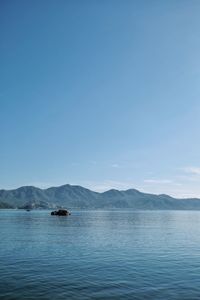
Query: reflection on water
[{"x": 100, "y": 255}]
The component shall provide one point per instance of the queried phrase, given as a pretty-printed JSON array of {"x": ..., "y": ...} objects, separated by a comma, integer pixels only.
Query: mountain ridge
[{"x": 76, "y": 196}]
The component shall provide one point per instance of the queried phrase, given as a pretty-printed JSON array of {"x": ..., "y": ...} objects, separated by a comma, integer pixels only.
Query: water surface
[{"x": 100, "y": 255}]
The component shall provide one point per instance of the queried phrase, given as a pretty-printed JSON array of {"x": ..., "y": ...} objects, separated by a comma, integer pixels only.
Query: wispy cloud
[
  {"x": 93, "y": 162},
  {"x": 158, "y": 181},
  {"x": 192, "y": 170},
  {"x": 115, "y": 166}
]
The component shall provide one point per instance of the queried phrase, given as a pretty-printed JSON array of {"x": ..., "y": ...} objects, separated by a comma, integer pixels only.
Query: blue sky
[{"x": 104, "y": 94}]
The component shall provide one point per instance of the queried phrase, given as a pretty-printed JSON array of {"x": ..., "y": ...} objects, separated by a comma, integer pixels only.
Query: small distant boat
[{"x": 28, "y": 210}]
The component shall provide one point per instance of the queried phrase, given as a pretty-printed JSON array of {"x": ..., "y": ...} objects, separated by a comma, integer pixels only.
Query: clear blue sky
[{"x": 103, "y": 93}]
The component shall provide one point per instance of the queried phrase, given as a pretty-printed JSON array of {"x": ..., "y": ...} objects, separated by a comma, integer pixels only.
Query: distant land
[{"x": 78, "y": 197}]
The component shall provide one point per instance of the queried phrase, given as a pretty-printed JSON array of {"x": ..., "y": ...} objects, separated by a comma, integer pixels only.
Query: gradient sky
[{"x": 105, "y": 94}]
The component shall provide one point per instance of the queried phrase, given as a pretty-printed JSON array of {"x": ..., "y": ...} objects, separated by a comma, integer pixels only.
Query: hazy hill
[{"x": 71, "y": 196}]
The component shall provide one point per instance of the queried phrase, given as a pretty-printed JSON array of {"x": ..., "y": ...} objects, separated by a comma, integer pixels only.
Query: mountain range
[{"x": 77, "y": 197}]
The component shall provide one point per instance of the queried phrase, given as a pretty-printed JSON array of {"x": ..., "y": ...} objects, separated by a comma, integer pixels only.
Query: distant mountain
[
  {"x": 72, "y": 196},
  {"x": 5, "y": 205}
]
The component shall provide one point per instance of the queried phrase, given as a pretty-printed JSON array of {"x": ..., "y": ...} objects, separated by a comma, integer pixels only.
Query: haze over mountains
[{"x": 72, "y": 196}]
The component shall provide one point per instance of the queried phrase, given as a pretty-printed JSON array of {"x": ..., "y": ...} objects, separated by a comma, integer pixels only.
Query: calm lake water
[{"x": 100, "y": 255}]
